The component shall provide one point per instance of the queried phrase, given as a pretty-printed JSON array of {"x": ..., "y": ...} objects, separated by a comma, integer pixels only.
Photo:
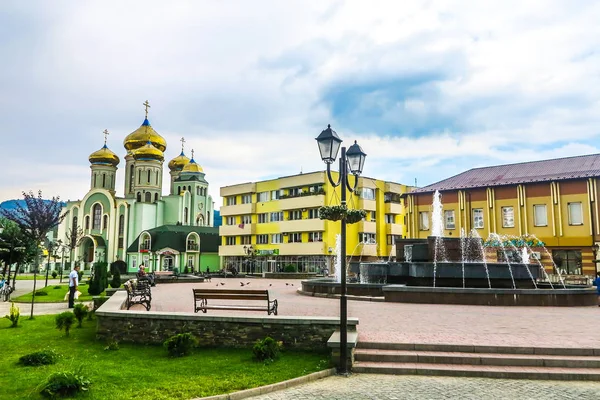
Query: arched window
[
  {"x": 121, "y": 224},
  {"x": 97, "y": 211},
  {"x": 155, "y": 197},
  {"x": 139, "y": 197},
  {"x": 148, "y": 176},
  {"x": 148, "y": 197},
  {"x": 105, "y": 222},
  {"x": 190, "y": 189},
  {"x": 103, "y": 180},
  {"x": 185, "y": 215},
  {"x": 178, "y": 189},
  {"x": 87, "y": 222},
  {"x": 94, "y": 180},
  {"x": 208, "y": 218},
  {"x": 140, "y": 176},
  {"x": 131, "y": 178},
  {"x": 157, "y": 178}
]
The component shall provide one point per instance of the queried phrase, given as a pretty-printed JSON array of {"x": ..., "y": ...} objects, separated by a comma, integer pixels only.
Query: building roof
[
  {"x": 528, "y": 172},
  {"x": 174, "y": 237}
]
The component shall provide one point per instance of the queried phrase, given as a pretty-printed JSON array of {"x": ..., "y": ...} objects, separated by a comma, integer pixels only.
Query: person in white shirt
[{"x": 73, "y": 285}]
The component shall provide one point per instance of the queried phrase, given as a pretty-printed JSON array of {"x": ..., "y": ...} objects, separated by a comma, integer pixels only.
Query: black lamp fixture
[{"x": 351, "y": 161}]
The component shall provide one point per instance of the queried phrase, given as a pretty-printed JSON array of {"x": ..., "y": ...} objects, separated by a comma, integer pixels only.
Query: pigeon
[
  {"x": 270, "y": 284},
  {"x": 241, "y": 283},
  {"x": 222, "y": 283},
  {"x": 292, "y": 284},
  {"x": 217, "y": 285},
  {"x": 287, "y": 284},
  {"x": 247, "y": 283}
]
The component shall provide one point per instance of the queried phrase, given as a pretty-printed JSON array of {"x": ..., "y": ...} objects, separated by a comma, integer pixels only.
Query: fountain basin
[{"x": 570, "y": 297}]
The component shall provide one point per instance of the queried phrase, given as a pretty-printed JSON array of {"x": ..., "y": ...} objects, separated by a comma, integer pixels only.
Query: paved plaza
[
  {"x": 389, "y": 387},
  {"x": 414, "y": 323}
]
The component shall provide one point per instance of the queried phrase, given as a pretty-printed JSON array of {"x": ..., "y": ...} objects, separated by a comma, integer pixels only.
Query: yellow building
[
  {"x": 279, "y": 219},
  {"x": 555, "y": 200}
]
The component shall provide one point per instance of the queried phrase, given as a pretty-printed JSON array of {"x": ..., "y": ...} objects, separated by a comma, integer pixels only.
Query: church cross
[
  {"x": 106, "y": 133},
  {"x": 147, "y": 106},
  {"x": 182, "y": 143},
  {"x": 192, "y": 154}
]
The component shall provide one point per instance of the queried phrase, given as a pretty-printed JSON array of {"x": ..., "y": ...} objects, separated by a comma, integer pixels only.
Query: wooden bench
[
  {"x": 201, "y": 297},
  {"x": 138, "y": 292}
]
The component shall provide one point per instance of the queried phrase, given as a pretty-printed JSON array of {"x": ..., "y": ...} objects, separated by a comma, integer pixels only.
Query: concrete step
[
  {"x": 558, "y": 351},
  {"x": 463, "y": 358},
  {"x": 482, "y": 371}
]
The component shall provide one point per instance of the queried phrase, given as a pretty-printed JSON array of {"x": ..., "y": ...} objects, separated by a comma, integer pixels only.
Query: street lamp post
[
  {"x": 50, "y": 248},
  {"x": 62, "y": 259},
  {"x": 353, "y": 159}
]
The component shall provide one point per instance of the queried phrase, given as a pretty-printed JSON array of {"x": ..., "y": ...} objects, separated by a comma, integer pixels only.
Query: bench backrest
[{"x": 231, "y": 294}]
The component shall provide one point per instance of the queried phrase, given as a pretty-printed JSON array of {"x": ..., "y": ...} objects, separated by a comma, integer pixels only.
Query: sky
[{"x": 428, "y": 89}]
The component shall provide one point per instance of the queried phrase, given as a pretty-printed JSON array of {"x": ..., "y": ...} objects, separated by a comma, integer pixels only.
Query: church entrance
[{"x": 167, "y": 264}]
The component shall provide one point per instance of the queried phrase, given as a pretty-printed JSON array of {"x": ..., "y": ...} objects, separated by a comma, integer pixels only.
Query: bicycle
[{"x": 5, "y": 290}]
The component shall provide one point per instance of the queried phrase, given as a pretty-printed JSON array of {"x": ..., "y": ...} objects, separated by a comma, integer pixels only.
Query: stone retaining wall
[{"x": 306, "y": 333}]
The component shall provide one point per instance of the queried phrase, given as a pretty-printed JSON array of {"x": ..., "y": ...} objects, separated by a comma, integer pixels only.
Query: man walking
[{"x": 73, "y": 285}]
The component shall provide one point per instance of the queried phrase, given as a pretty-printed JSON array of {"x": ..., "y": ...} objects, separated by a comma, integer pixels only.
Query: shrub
[
  {"x": 58, "y": 287},
  {"x": 65, "y": 320},
  {"x": 186, "y": 270},
  {"x": 115, "y": 283},
  {"x": 65, "y": 384},
  {"x": 41, "y": 292},
  {"x": 80, "y": 311},
  {"x": 290, "y": 268},
  {"x": 267, "y": 349},
  {"x": 43, "y": 357},
  {"x": 13, "y": 315},
  {"x": 54, "y": 274},
  {"x": 112, "y": 345},
  {"x": 80, "y": 277},
  {"x": 99, "y": 280},
  {"x": 180, "y": 345}
]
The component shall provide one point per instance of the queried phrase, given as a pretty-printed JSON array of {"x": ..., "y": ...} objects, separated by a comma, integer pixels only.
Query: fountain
[{"x": 449, "y": 270}]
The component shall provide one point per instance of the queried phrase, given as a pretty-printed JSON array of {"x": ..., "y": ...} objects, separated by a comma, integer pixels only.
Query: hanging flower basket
[
  {"x": 332, "y": 213},
  {"x": 354, "y": 216}
]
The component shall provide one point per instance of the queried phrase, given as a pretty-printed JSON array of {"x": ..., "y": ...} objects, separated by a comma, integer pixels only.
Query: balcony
[
  {"x": 310, "y": 248},
  {"x": 193, "y": 247},
  {"x": 237, "y": 230},
  {"x": 302, "y": 225},
  {"x": 368, "y": 250},
  {"x": 242, "y": 188},
  {"x": 299, "y": 202},
  {"x": 393, "y": 208},
  {"x": 238, "y": 209},
  {"x": 235, "y": 250},
  {"x": 368, "y": 205},
  {"x": 367, "y": 226},
  {"x": 394, "y": 229}
]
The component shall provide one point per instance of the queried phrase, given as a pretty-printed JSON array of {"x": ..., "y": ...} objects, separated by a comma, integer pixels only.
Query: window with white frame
[
  {"x": 390, "y": 219},
  {"x": 449, "y": 221},
  {"x": 575, "y": 213},
  {"x": 295, "y": 237},
  {"x": 367, "y": 238},
  {"x": 540, "y": 215},
  {"x": 230, "y": 240},
  {"x": 246, "y": 219},
  {"x": 262, "y": 197},
  {"x": 262, "y": 239},
  {"x": 277, "y": 216},
  {"x": 229, "y": 220},
  {"x": 276, "y": 238},
  {"x": 276, "y": 194},
  {"x": 190, "y": 263},
  {"x": 246, "y": 239},
  {"x": 478, "y": 218},
  {"x": 508, "y": 217},
  {"x": 315, "y": 236},
  {"x": 294, "y": 215},
  {"x": 315, "y": 189},
  {"x": 230, "y": 201},
  {"x": 373, "y": 216},
  {"x": 246, "y": 198},
  {"x": 367, "y": 193},
  {"x": 313, "y": 213},
  {"x": 424, "y": 220},
  {"x": 263, "y": 218},
  {"x": 293, "y": 192}
]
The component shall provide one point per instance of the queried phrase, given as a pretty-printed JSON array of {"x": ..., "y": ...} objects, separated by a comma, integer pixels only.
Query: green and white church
[{"x": 144, "y": 226}]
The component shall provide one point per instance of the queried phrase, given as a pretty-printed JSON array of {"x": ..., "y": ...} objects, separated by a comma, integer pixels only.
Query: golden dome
[
  {"x": 148, "y": 152},
  {"x": 142, "y": 135},
  {"x": 192, "y": 167},
  {"x": 178, "y": 162},
  {"x": 104, "y": 156}
]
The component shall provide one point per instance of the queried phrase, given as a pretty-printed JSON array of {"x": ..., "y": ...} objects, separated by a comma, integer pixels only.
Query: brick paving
[
  {"x": 386, "y": 387},
  {"x": 415, "y": 323}
]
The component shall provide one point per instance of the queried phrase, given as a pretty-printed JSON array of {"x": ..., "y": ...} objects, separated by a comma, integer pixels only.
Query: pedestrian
[
  {"x": 73, "y": 285},
  {"x": 597, "y": 284},
  {"x": 207, "y": 270}
]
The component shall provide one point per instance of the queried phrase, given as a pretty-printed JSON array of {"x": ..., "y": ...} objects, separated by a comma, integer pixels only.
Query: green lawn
[
  {"x": 136, "y": 371},
  {"x": 56, "y": 294}
]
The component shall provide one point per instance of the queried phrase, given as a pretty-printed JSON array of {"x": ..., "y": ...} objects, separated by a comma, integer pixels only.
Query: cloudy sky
[{"x": 427, "y": 88}]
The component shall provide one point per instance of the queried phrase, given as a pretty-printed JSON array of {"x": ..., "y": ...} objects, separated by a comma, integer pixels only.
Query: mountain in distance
[{"x": 12, "y": 204}]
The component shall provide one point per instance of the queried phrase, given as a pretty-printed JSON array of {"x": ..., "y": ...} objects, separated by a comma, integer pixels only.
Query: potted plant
[
  {"x": 332, "y": 213},
  {"x": 354, "y": 216}
]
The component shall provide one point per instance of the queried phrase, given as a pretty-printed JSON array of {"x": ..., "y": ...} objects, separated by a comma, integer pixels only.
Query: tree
[
  {"x": 73, "y": 237},
  {"x": 36, "y": 219},
  {"x": 15, "y": 248}
]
